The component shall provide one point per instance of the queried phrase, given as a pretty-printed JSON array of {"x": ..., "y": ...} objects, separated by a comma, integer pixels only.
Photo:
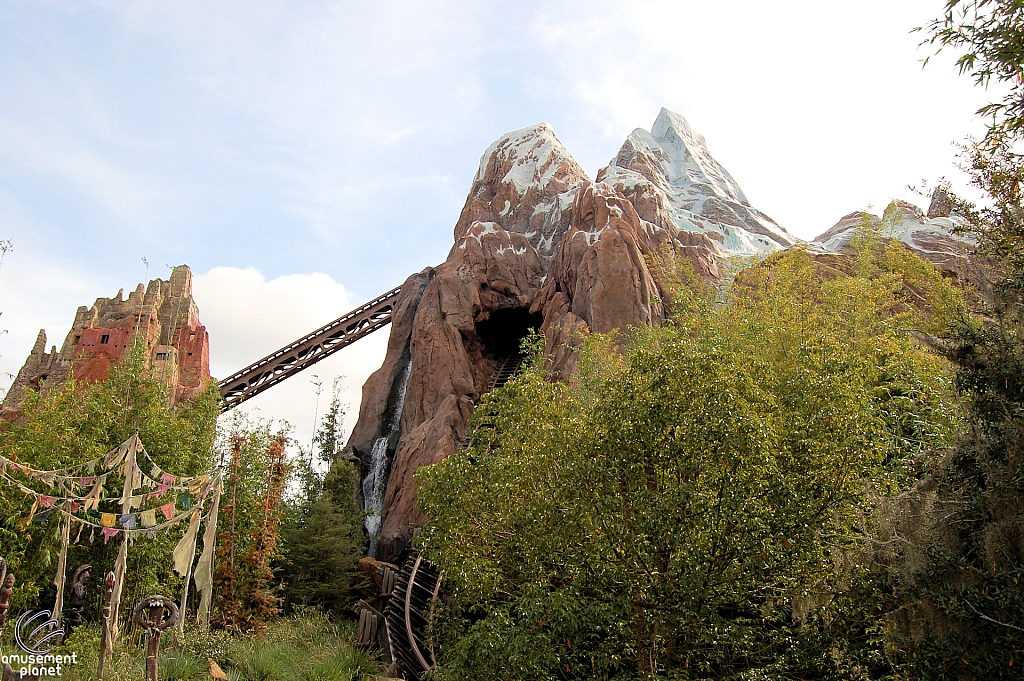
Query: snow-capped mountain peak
[{"x": 672, "y": 163}]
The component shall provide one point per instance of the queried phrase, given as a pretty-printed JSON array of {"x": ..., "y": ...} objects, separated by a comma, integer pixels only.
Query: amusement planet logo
[{"x": 37, "y": 662}]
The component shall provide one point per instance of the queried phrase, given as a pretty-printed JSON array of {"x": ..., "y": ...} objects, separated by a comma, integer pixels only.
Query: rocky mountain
[
  {"x": 930, "y": 235},
  {"x": 539, "y": 245},
  {"x": 671, "y": 167}
]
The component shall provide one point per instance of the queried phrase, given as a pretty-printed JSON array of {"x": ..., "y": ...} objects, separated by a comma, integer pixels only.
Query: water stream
[{"x": 375, "y": 482}]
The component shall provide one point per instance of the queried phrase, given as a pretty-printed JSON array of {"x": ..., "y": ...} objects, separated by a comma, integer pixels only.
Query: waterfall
[
  {"x": 375, "y": 482},
  {"x": 373, "y": 486}
]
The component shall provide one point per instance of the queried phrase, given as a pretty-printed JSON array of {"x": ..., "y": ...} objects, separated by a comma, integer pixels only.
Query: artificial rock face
[
  {"x": 163, "y": 316},
  {"x": 538, "y": 245},
  {"x": 931, "y": 236}
]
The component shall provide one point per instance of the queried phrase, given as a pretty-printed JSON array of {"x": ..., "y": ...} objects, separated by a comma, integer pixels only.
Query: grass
[{"x": 307, "y": 647}]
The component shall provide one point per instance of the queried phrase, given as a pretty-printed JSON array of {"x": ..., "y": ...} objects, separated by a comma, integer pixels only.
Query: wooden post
[
  {"x": 149, "y": 614},
  {"x": 6, "y": 587},
  {"x": 105, "y": 634}
]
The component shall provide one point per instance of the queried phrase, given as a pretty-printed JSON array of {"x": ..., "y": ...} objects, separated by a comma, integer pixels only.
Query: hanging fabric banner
[
  {"x": 62, "y": 565},
  {"x": 185, "y": 551},
  {"x": 204, "y": 569},
  {"x": 148, "y": 518},
  {"x": 131, "y": 468},
  {"x": 80, "y": 490}
]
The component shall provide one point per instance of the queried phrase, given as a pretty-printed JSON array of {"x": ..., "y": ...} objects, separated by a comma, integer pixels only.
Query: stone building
[{"x": 163, "y": 316}]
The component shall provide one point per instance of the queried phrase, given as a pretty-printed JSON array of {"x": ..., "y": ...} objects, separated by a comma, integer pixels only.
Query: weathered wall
[{"x": 163, "y": 316}]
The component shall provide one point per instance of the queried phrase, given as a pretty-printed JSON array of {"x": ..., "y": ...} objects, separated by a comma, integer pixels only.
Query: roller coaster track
[
  {"x": 409, "y": 612},
  {"x": 398, "y": 621},
  {"x": 308, "y": 350}
]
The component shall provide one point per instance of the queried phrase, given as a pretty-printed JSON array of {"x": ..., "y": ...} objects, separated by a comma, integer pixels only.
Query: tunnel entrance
[{"x": 501, "y": 335}]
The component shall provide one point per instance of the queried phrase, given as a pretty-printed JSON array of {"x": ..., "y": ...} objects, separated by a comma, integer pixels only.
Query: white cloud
[
  {"x": 47, "y": 148},
  {"x": 248, "y": 317}
]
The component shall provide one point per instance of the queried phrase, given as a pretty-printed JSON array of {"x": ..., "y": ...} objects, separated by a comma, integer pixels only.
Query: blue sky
[{"x": 305, "y": 156}]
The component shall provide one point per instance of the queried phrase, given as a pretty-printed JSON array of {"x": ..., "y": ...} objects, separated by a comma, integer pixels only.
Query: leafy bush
[
  {"x": 679, "y": 510},
  {"x": 75, "y": 423}
]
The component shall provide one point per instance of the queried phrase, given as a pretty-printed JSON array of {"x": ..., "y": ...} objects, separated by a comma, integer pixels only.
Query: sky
[{"x": 303, "y": 157}]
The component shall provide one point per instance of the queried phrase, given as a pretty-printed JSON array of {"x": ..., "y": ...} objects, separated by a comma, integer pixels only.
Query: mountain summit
[
  {"x": 674, "y": 163},
  {"x": 540, "y": 248}
]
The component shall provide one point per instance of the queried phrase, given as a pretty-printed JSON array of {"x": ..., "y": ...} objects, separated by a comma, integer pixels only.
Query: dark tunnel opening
[
  {"x": 502, "y": 333},
  {"x": 501, "y": 336}
]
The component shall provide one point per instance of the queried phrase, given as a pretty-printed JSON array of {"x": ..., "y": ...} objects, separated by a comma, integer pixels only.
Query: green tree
[
  {"x": 988, "y": 36},
  {"x": 955, "y": 593},
  {"x": 323, "y": 535},
  {"x": 678, "y": 510},
  {"x": 76, "y": 422}
]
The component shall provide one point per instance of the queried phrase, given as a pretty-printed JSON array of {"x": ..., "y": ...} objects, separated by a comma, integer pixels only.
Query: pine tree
[{"x": 323, "y": 534}]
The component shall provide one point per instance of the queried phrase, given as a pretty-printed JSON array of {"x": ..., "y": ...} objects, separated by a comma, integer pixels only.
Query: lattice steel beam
[{"x": 308, "y": 350}]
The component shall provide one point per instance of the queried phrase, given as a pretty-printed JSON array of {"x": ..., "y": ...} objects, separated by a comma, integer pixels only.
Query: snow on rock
[
  {"x": 930, "y": 236},
  {"x": 675, "y": 183},
  {"x": 525, "y": 184}
]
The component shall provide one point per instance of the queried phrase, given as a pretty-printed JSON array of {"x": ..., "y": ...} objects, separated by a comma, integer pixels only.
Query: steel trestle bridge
[{"x": 308, "y": 350}]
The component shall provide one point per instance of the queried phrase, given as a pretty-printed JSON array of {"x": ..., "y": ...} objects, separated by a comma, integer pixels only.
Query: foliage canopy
[
  {"x": 677, "y": 508},
  {"x": 74, "y": 423}
]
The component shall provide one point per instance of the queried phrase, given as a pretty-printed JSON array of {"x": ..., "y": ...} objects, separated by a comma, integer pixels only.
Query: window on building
[
  {"x": 161, "y": 356},
  {"x": 104, "y": 339}
]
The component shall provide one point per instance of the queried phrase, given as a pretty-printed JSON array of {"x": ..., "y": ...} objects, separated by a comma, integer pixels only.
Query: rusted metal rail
[
  {"x": 308, "y": 350},
  {"x": 408, "y": 614}
]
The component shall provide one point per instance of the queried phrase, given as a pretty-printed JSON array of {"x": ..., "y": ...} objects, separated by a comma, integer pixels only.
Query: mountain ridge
[{"x": 541, "y": 247}]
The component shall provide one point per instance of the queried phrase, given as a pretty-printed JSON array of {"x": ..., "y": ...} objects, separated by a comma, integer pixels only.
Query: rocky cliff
[
  {"x": 163, "y": 316},
  {"x": 539, "y": 245},
  {"x": 930, "y": 235}
]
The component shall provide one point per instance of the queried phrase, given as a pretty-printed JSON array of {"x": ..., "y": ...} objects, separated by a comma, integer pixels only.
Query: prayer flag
[
  {"x": 168, "y": 510},
  {"x": 108, "y": 519},
  {"x": 127, "y": 521},
  {"x": 185, "y": 552},
  {"x": 195, "y": 485},
  {"x": 46, "y": 501},
  {"x": 42, "y": 517},
  {"x": 168, "y": 479},
  {"x": 107, "y": 533},
  {"x": 185, "y": 501},
  {"x": 149, "y": 518}
]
